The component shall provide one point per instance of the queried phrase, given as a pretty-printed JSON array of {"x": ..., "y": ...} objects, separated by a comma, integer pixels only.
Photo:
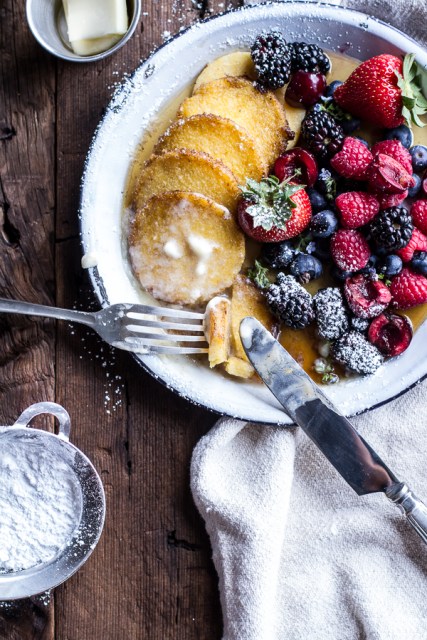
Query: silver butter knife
[{"x": 335, "y": 436}]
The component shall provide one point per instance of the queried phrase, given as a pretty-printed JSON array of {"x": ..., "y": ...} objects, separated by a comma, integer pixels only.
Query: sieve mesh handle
[{"x": 51, "y": 408}]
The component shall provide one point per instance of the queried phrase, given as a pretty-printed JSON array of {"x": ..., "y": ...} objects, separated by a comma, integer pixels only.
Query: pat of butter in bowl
[{"x": 95, "y": 25}]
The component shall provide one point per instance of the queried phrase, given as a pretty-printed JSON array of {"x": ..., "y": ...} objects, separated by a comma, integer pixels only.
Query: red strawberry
[
  {"x": 388, "y": 200},
  {"x": 272, "y": 211},
  {"x": 408, "y": 289},
  {"x": 418, "y": 242},
  {"x": 356, "y": 208},
  {"x": 419, "y": 214},
  {"x": 353, "y": 159},
  {"x": 366, "y": 298},
  {"x": 386, "y": 175},
  {"x": 350, "y": 250},
  {"x": 396, "y": 150},
  {"x": 380, "y": 89}
]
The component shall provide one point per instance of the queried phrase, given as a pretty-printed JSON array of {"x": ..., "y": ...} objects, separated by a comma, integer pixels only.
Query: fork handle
[{"x": 30, "y": 309}]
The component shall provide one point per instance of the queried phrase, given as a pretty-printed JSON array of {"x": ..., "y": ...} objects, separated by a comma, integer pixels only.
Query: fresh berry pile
[{"x": 337, "y": 207}]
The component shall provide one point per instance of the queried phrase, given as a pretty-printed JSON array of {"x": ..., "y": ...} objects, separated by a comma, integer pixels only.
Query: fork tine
[
  {"x": 137, "y": 347},
  {"x": 138, "y": 332},
  {"x": 131, "y": 323},
  {"x": 142, "y": 309}
]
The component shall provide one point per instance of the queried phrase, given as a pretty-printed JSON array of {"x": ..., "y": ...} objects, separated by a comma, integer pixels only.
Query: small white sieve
[{"x": 90, "y": 513}]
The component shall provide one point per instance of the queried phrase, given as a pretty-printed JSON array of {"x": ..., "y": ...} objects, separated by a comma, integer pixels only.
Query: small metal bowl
[
  {"x": 89, "y": 517},
  {"x": 46, "y": 19}
]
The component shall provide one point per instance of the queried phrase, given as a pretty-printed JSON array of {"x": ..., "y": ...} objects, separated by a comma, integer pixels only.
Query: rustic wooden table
[{"x": 151, "y": 576}]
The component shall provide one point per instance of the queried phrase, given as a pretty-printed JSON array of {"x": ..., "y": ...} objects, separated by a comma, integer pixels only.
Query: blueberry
[
  {"x": 330, "y": 89},
  {"x": 306, "y": 267},
  {"x": 390, "y": 266},
  {"x": 322, "y": 250},
  {"x": 350, "y": 125},
  {"x": 363, "y": 141},
  {"x": 323, "y": 224},
  {"x": 317, "y": 200},
  {"x": 371, "y": 266},
  {"x": 419, "y": 157},
  {"x": 341, "y": 275},
  {"x": 371, "y": 272},
  {"x": 419, "y": 262},
  {"x": 412, "y": 192},
  {"x": 278, "y": 255},
  {"x": 401, "y": 133}
]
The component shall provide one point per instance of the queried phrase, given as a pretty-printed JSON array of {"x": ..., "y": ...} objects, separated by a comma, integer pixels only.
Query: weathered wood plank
[
  {"x": 27, "y": 168},
  {"x": 151, "y": 575}
]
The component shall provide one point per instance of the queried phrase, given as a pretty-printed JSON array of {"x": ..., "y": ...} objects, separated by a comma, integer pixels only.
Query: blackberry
[
  {"x": 392, "y": 228},
  {"x": 322, "y": 134},
  {"x": 331, "y": 314},
  {"x": 309, "y": 57},
  {"x": 359, "y": 324},
  {"x": 271, "y": 56},
  {"x": 290, "y": 302},
  {"x": 354, "y": 351}
]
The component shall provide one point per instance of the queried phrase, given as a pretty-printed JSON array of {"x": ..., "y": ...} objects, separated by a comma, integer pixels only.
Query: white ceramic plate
[{"x": 135, "y": 107}]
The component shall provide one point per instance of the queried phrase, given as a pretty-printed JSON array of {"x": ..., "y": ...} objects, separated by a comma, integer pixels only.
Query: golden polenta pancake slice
[
  {"x": 186, "y": 170},
  {"x": 260, "y": 114},
  {"x": 239, "y": 63},
  {"x": 247, "y": 300},
  {"x": 221, "y": 138},
  {"x": 185, "y": 248}
]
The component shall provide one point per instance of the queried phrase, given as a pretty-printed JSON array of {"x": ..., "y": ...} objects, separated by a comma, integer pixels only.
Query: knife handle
[{"x": 414, "y": 510}]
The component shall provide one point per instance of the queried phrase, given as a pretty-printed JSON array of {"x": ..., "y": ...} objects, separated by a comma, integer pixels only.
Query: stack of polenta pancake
[{"x": 185, "y": 245}]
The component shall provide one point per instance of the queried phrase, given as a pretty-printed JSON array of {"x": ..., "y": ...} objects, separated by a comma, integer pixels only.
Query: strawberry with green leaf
[
  {"x": 272, "y": 211},
  {"x": 384, "y": 91}
]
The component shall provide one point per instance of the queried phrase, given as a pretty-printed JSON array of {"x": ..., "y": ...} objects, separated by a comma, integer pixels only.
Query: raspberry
[
  {"x": 386, "y": 175},
  {"x": 350, "y": 250},
  {"x": 356, "y": 208},
  {"x": 366, "y": 298},
  {"x": 419, "y": 215},
  {"x": 290, "y": 302},
  {"x": 396, "y": 150},
  {"x": 388, "y": 200},
  {"x": 331, "y": 314},
  {"x": 408, "y": 289},
  {"x": 353, "y": 160},
  {"x": 353, "y": 351},
  {"x": 418, "y": 242},
  {"x": 391, "y": 334}
]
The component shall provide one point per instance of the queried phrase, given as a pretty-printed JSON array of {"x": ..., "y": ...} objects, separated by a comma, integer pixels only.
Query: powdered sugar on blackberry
[
  {"x": 40, "y": 503},
  {"x": 331, "y": 314},
  {"x": 353, "y": 351}
]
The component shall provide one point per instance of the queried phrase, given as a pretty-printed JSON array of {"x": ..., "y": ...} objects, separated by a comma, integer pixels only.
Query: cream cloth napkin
[{"x": 298, "y": 554}]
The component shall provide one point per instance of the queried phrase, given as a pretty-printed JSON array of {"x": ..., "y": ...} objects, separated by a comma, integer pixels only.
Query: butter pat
[{"x": 95, "y": 25}]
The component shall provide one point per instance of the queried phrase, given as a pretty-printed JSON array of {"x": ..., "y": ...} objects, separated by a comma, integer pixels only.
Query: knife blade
[{"x": 328, "y": 428}]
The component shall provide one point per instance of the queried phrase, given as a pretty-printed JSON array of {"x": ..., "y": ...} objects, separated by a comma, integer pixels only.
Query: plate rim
[{"x": 97, "y": 281}]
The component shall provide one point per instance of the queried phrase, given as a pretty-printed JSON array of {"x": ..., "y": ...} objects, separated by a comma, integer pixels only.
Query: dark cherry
[
  {"x": 305, "y": 88},
  {"x": 366, "y": 298},
  {"x": 390, "y": 333},
  {"x": 297, "y": 160}
]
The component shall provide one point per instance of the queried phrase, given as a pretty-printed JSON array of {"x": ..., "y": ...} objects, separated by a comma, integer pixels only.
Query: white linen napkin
[{"x": 299, "y": 556}]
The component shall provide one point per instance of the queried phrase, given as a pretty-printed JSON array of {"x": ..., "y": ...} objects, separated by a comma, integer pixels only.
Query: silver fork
[{"x": 134, "y": 327}]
